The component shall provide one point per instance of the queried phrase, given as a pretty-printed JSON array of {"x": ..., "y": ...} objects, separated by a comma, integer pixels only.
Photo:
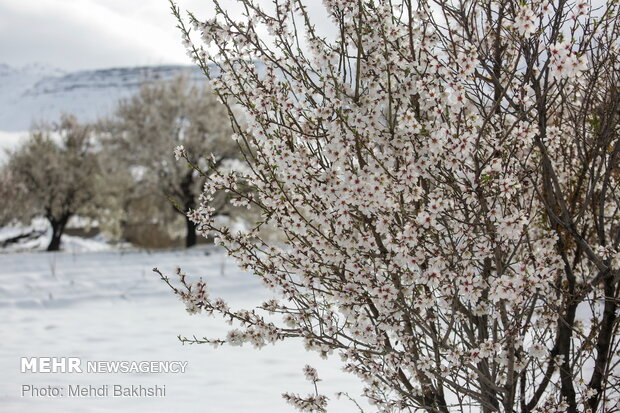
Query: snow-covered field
[
  {"x": 38, "y": 233},
  {"x": 108, "y": 305}
]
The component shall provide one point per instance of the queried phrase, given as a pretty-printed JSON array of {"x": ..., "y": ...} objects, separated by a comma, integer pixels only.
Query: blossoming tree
[{"x": 445, "y": 177}]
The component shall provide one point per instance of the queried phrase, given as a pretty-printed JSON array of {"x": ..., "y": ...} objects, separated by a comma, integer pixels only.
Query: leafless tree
[{"x": 51, "y": 175}]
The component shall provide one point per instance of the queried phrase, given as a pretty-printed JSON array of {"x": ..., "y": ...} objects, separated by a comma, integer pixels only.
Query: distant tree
[
  {"x": 115, "y": 187},
  {"x": 152, "y": 123},
  {"x": 51, "y": 175},
  {"x": 7, "y": 196}
]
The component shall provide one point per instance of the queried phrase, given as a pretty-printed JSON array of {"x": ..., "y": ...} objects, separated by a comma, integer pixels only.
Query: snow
[
  {"x": 108, "y": 305},
  {"x": 42, "y": 234}
]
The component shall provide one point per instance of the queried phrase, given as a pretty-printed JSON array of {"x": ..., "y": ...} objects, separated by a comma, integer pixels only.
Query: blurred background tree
[
  {"x": 52, "y": 175},
  {"x": 142, "y": 136}
]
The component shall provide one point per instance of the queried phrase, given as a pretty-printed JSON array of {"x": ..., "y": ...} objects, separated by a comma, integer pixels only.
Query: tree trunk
[
  {"x": 58, "y": 228},
  {"x": 190, "y": 235},
  {"x": 189, "y": 203}
]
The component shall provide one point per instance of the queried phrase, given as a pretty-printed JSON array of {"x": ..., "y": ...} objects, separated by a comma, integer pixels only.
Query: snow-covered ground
[
  {"x": 108, "y": 305},
  {"x": 37, "y": 235}
]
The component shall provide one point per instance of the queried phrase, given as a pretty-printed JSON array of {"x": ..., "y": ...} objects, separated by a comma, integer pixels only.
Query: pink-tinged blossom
[
  {"x": 526, "y": 22},
  {"x": 179, "y": 152}
]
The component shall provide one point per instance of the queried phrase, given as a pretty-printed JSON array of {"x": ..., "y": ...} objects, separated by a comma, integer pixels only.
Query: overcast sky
[{"x": 88, "y": 34}]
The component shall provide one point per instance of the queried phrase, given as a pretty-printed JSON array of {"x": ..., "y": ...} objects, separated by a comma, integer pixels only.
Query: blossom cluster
[{"x": 564, "y": 62}]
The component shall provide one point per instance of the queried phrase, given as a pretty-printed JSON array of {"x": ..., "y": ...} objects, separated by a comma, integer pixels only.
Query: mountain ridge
[{"x": 39, "y": 93}]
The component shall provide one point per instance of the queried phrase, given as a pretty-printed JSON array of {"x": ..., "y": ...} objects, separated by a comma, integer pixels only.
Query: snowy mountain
[{"x": 36, "y": 92}]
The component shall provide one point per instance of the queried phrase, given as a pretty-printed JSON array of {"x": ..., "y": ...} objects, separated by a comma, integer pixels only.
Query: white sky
[{"x": 88, "y": 34}]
